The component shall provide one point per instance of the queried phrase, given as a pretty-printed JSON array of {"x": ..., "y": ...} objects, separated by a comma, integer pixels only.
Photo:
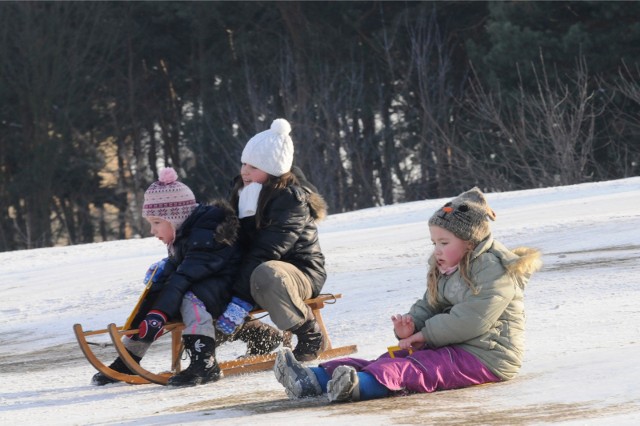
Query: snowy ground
[{"x": 583, "y": 319}]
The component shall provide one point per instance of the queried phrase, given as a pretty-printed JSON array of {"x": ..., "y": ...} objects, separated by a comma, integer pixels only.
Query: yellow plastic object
[
  {"x": 393, "y": 349},
  {"x": 133, "y": 313}
]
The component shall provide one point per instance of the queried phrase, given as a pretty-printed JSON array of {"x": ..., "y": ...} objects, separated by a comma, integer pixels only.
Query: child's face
[
  {"x": 161, "y": 229},
  {"x": 448, "y": 249},
  {"x": 252, "y": 174}
]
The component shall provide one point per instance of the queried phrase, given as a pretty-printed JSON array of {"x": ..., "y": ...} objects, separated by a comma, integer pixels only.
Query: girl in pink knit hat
[{"x": 193, "y": 283}]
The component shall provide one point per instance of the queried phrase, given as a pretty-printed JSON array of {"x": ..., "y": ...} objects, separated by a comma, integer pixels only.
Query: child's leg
[
  {"x": 199, "y": 342},
  {"x": 347, "y": 384},
  {"x": 322, "y": 376},
  {"x": 301, "y": 381},
  {"x": 136, "y": 347},
  {"x": 370, "y": 388},
  {"x": 298, "y": 380},
  {"x": 429, "y": 370},
  {"x": 197, "y": 320}
]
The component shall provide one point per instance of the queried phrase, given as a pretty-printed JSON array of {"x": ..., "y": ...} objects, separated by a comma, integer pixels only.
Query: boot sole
[
  {"x": 196, "y": 381},
  {"x": 102, "y": 380},
  {"x": 343, "y": 386},
  {"x": 298, "y": 380}
]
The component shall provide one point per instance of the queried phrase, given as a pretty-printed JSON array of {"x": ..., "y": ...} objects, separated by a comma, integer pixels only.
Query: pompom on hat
[
  {"x": 272, "y": 150},
  {"x": 466, "y": 216},
  {"x": 169, "y": 199}
]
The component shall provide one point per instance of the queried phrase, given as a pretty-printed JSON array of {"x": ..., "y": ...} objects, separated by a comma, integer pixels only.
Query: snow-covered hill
[{"x": 583, "y": 319}]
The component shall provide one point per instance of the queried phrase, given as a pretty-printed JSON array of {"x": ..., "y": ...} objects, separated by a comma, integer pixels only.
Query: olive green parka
[{"x": 489, "y": 320}]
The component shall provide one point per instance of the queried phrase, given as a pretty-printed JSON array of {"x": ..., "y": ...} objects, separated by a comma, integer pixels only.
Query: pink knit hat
[{"x": 169, "y": 199}]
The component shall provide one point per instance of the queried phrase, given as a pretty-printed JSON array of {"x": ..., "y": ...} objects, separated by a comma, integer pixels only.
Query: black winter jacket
[
  {"x": 205, "y": 261},
  {"x": 290, "y": 235}
]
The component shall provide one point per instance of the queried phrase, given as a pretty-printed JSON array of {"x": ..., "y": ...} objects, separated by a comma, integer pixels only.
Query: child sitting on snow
[{"x": 468, "y": 328}]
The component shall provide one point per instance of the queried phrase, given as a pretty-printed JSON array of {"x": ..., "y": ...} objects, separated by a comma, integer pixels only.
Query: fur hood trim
[
  {"x": 528, "y": 261},
  {"x": 227, "y": 230},
  {"x": 317, "y": 206}
]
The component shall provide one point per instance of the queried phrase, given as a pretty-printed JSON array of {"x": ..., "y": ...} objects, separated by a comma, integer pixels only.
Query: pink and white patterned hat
[{"x": 169, "y": 199}]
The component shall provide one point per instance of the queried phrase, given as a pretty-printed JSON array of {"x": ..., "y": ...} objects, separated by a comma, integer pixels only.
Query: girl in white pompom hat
[{"x": 282, "y": 262}]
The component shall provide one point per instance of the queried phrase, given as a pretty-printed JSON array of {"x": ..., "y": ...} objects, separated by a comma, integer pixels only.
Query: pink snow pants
[{"x": 426, "y": 370}]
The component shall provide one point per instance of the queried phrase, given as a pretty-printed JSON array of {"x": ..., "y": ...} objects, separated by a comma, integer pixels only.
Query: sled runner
[
  {"x": 85, "y": 347},
  {"x": 99, "y": 365},
  {"x": 239, "y": 366},
  {"x": 93, "y": 359}
]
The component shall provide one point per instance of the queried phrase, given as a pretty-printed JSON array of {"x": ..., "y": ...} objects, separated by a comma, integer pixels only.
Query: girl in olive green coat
[{"x": 468, "y": 328}]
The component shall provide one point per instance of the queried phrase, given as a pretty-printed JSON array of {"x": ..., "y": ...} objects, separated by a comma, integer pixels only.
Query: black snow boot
[
  {"x": 310, "y": 341},
  {"x": 203, "y": 367},
  {"x": 260, "y": 338},
  {"x": 118, "y": 365}
]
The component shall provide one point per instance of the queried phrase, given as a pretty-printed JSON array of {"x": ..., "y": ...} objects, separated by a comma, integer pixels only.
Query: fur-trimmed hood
[
  {"x": 227, "y": 231},
  {"x": 317, "y": 206},
  {"x": 529, "y": 261},
  {"x": 520, "y": 263}
]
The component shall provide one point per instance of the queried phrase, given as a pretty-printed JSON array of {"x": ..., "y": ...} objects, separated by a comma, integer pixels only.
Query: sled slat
[{"x": 265, "y": 362}]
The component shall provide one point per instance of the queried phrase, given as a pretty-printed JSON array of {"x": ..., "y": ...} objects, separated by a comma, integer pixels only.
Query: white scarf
[{"x": 248, "y": 199}]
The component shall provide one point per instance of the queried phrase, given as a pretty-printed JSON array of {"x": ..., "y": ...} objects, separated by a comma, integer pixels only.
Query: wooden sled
[
  {"x": 85, "y": 347},
  {"x": 99, "y": 365},
  {"x": 239, "y": 366}
]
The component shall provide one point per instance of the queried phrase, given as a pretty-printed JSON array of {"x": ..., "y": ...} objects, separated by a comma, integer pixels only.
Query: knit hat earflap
[
  {"x": 169, "y": 199},
  {"x": 272, "y": 150},
  {"x": 466, "y": 216}
]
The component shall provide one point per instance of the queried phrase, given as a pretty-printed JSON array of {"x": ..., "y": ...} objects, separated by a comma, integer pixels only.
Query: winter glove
[
  {"x": 233, "y": 317},
  {"x": 158, "y": 274},
  {"x": 152, "y": 326},
  {"x": 248, "y": 200}
]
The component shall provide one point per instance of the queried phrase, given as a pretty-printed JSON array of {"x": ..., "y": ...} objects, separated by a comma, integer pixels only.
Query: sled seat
[
  {"x": 265, "y": 362},
  {"x": 238, "y": 366}
]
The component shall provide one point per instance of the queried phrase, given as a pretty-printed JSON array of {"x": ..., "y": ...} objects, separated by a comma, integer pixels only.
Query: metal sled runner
[{"x": 239, "y": 366}]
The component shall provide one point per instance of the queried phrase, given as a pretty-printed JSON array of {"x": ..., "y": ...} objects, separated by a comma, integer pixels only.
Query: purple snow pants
[{"x": 426, "y": 370}]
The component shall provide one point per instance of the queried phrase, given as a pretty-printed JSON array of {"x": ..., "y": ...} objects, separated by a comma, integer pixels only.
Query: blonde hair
[{"x": 434, "y": 275}]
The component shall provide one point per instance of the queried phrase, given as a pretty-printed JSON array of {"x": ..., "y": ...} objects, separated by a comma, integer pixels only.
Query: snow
[{"x": 583, "y": 322}]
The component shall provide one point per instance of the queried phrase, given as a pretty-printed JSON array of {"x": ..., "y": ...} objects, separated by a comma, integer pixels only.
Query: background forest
[{"x": 389, "y": 101}]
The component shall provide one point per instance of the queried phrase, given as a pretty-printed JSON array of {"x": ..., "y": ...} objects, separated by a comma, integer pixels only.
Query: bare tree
[
  {"x": 624, "y": 126},
  {"x": 535, "y": 139}
]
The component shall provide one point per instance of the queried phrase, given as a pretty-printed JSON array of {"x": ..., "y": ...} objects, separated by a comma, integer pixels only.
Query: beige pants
[{"x": 281, "y": 289}]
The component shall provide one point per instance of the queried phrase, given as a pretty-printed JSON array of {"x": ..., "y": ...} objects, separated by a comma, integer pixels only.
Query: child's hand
[
  {"x": 152, "y": 326},
  {"x": 403, "y": 325},
  {"x": 155, "y": 270},
  {"x": 415, "y": 341},
  {"x": 233, "y": 317}
]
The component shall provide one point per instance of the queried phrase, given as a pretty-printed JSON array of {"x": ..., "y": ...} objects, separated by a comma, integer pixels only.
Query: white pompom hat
[{"x": 272, "y": 150}]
